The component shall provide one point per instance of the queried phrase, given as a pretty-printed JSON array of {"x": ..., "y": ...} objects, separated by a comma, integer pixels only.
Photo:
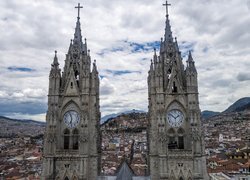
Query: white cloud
[
  {"x": 17, "y": 95},
  {"x": 34, "y": 93},
  {"x": 3, "y": 94},
  {"x": 32, "y": 30},
  {"x": 38, "y": 117}
]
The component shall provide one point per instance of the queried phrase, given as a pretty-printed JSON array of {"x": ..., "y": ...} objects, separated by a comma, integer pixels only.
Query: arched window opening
[
  {"x": 174, "y": 88},
  {"x": 172, "y": 143},
  {"x": 180, "y": 142},
  {"x": 75, "y": 139},
  {"x": 171, "y": 132},
  {"x": 66, "y": 139},
  {"x": 181, "y": 178},
  {"x": 66, "y": 178},
  {"x": 180, "y": 132},
  {"x": 77, "y": 77},
  {"x": 180, "y": 138}
]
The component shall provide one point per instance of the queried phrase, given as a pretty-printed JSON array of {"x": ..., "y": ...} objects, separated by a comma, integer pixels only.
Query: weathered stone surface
[
  {"x": 176, "y": 148},
  {"x": 68, "y": 150}
]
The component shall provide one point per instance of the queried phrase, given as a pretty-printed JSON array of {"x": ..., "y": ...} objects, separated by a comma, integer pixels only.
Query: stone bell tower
[
  {"x": 176, "y": 146},
  {"x": 72, "y": 137}
]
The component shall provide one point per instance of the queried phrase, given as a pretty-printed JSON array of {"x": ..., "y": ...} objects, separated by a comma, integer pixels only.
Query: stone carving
[
  {"x": 72, "y": 90},
  {"x": 173, "y": 87}
]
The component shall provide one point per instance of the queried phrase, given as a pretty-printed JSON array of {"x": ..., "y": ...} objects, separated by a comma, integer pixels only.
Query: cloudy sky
[{"x": 121, "y": 35}]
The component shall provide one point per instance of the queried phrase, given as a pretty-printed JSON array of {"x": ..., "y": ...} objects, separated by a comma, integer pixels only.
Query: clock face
[
  {"x": 175, "y": 118},
  {"x": 71, "y": 119}
]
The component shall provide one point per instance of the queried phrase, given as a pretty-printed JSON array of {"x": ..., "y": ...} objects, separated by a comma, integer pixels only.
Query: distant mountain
[
  {"x": 208, "y": 114},
  {"x": 114, "y": 115},
  {"x": 240, "y": 105},
  {"x": 28, "y": 121},
  {"x": 16, "y": 128}
]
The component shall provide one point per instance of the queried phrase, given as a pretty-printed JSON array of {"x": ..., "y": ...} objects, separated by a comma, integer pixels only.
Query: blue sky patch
[
  {"x": 117, "y": 49},
  {"x": 21, "y": 69},
  {"x": 140, "y": 47},
  {"x": 117, "y": 73},
  {"x": 133, "y": 46},
  {"x": 185, "y": 47},
  {"x": 101, "y": 76},
  {"x": 205, "y": 49}
]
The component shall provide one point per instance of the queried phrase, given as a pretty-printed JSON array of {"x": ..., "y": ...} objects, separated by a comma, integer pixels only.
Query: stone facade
[
  {"x": 176, "y": 146},
  {"x": 72, "y": 138}
]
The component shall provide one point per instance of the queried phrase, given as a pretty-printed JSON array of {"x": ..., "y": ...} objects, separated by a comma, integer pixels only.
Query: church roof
[{"x": 124, "y": 172}]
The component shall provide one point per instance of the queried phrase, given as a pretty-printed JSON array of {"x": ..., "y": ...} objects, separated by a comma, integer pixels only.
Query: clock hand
[
  {"x": 171, "y": 115},
  {"x": 70, "y": 120}
]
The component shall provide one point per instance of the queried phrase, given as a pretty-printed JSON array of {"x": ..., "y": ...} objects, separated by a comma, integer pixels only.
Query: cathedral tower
[
  {"x": 72, "y": 139},
  {"x": 176, "y": 146}
]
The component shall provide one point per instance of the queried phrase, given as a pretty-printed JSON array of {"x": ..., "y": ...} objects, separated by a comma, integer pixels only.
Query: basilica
[{"x": 72, "y": 139}]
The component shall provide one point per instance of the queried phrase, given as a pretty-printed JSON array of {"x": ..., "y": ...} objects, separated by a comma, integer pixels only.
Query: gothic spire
[
  {"x": 151, "y": 66},
  {"x": 190, "y": 63},
  {"x": 55, "y": 70},
  {"x": 94, "y": 68},
  {"x": 176, "y": 45},
  {"x": 190, "y": 58},
  {"x": 168, "y": 32},
  {"x": 55, "y": 62},
  {"x": 78, "y": 35}
]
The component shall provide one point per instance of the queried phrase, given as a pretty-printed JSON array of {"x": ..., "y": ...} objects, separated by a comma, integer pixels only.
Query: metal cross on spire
[
  {"x": 78, "y": 7},
  {"x": 166, "y": 7}
]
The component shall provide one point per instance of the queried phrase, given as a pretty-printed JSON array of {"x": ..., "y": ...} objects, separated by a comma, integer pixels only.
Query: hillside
[
  {"x": 208, "y": 114},
  {"x": 114, "y": 115},
  {"x": 240, "y": 105},
  {"x": 127, "y": 121},
  {"x": 14, "y": 127}
]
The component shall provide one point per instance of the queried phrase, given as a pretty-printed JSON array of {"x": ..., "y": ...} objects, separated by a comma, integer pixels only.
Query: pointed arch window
[
  {"x": 181, "y": 178},
  {"x": 180, "y": 138},
  {"x": 75, "y": 139},
  {"x": 66, "y": 178},
  {"x": 180, "y": 142},
  {"x": 174, "y": 88},
  {"x": 172, "y": 141},
  {"x": 66, "y": 138}
]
